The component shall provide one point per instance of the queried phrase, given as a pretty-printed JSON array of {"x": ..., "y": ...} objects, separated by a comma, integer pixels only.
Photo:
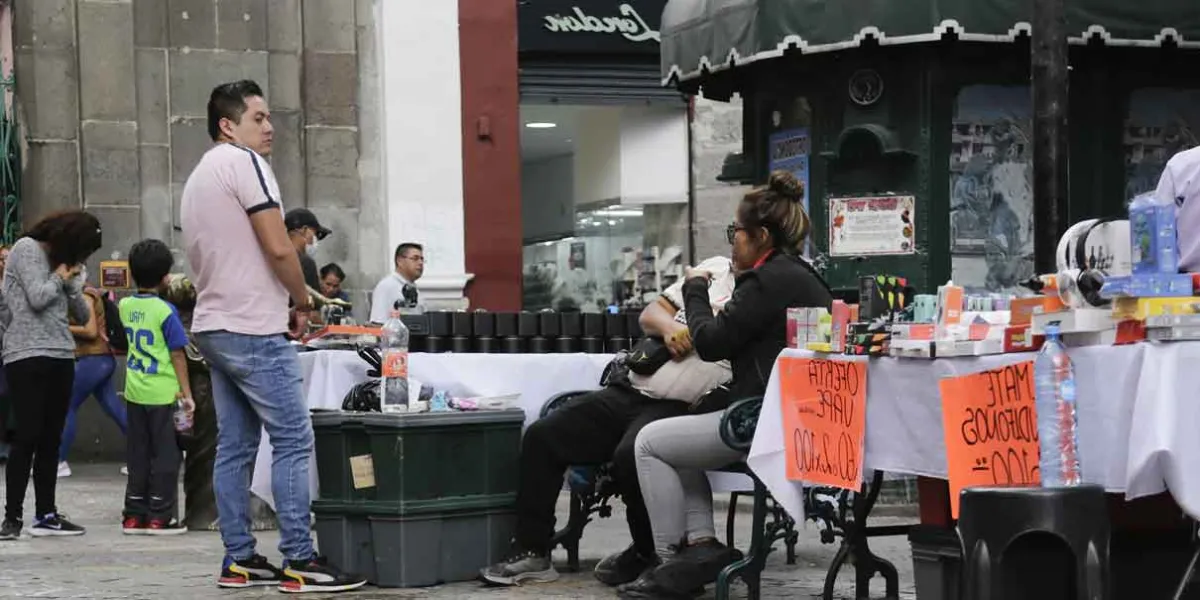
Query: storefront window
[
  {"x": 604, "y": 204},
  {"x": 1161, "y": 123},
  {"x": 991, "y": 188}
]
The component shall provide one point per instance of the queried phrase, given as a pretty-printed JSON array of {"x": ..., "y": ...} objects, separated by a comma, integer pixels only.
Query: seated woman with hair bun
[{"x": 673, "y": 454}]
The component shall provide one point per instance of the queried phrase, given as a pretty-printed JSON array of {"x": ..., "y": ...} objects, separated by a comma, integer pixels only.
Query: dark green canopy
[{"x": 711, "y": 35}]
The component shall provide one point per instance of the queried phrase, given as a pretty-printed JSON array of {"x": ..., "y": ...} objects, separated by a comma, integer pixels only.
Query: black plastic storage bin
[
  {"x": 439, "y": 547},
  {"x": 937, "y": 562},
  {"x": 446, "y": 460},
  {"x": 344, "y": 535},
  {"x": 392, "y": 549},
  {"x": 338, "y": 437},
  {"x": 411, "y": 500},
  {"x": 421, "y": 461}
]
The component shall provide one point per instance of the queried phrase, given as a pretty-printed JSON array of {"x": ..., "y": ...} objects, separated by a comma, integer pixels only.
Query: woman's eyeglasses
[{"x": 732, "y": 230}]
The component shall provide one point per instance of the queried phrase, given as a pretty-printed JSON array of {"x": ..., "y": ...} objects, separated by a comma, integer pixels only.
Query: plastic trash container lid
[{"x": 439, "y": 419}]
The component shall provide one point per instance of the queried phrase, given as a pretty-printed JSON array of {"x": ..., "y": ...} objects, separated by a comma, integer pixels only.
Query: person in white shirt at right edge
[
  {"x": 410, "y": 264},
  {"x": 1180, "y": 183}
]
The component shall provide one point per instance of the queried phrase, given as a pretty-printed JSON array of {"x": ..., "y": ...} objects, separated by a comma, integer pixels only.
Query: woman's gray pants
[{"x": 672, "y": 457}]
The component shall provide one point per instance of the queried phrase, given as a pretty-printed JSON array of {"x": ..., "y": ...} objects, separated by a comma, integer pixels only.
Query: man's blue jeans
[{"x": 256, "y": 384}]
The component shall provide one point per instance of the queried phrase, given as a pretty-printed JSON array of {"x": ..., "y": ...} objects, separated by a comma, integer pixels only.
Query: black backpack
[{"x": 114, "y": 328}]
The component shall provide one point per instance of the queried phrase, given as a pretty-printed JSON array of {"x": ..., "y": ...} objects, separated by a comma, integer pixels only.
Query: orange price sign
[
  {"x": 990, "y": 425},
  {"x": 824, "y": 420}
]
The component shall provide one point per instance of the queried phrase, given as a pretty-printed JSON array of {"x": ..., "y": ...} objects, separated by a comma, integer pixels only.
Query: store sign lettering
[{"x": 629, "y": 24}]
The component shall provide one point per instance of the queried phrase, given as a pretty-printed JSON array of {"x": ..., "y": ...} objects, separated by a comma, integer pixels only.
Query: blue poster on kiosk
[{"x": 787, "y": 150}]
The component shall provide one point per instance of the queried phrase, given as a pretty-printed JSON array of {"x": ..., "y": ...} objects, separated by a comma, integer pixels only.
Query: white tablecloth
[
  {"x": 1116, "y": 395},
  {"x": 329, "y": 374}
]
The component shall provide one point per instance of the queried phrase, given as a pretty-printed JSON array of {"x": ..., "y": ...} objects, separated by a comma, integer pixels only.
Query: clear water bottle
[
  {"x": 183, "y": 419},
  {"x": 1054, "y": 378},
  {"x": 393, "y": 345}
]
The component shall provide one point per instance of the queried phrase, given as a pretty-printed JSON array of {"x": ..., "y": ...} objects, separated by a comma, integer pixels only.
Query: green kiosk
[{"x": 911, "y": 121}]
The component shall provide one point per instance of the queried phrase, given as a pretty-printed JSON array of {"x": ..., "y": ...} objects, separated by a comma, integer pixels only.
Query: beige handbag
[{"x": 686, "y": 379}]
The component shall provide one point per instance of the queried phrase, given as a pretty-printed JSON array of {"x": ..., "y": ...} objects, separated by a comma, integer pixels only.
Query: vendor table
[
  {"x": 329, "y": 374},
  {"x": 1136, "y": 419},
  {"x": 1136, "y": 430}
]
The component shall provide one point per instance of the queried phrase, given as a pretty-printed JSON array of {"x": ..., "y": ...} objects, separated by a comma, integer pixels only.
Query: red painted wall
[{"x": 491, "y": 152}]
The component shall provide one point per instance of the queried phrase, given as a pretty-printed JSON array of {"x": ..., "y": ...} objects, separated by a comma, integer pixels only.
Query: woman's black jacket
[{"x": 751, "y": 330}]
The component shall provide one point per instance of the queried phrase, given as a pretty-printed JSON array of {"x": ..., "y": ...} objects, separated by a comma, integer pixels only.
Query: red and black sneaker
[
  {"x": 252, "y": 572},
  {"x": 316, "y": 575},
  {"x": 165, "y": 527},
  {"x": 133, "y": 526}
]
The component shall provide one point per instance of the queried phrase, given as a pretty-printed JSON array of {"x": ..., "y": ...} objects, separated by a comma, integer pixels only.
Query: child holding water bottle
[{"x": 158, "y": 395}]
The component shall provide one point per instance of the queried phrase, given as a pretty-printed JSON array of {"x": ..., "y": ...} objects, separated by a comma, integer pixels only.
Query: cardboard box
[
  {"x": 1020, "y": 338},
  {"x": 881, "y": 296},
  {"x": 1153, "y": 244},
  {"x": 1139, "y": 309},
  {"x": 912, "y": 331},
  {"x": 1161, "y": 286},
  {"x": 949, "y": 305},
  {"x": 804, "y": 325},
  {"x": 840, "y": 324},
  {"x": 1022, "y": 309}
]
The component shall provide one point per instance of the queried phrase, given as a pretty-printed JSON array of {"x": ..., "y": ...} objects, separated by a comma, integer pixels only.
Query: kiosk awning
[{"x": 700, "y": 35}]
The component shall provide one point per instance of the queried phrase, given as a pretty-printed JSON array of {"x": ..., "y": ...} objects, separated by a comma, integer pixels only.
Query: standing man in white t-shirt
[
  {"x": 244, "y": 269},
  {"x": 401, "y": 285}
]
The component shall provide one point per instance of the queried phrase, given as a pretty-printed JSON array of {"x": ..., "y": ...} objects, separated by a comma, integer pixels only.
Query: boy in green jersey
[{"x": 156, "y": 379}]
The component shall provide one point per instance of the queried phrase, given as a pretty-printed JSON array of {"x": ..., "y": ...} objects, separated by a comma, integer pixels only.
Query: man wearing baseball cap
[{"x": 306, "y": 232}]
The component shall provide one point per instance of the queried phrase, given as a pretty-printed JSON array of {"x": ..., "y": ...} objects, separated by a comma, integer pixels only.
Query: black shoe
[
  {"x": 696, "y": 565},
  {"x": 711, "y": 555},
  {"x": 55, "y": 524},
  {"x": 11, "y": 529},
  {"x": 647, "y": 587},
  {"x": 317, "y": 575},
  {"x": 252, "y": 572},
  {"x": 165, "y": 527},
  {"x": 524, "y": 567},
  {"x": 623, "y": 567}
]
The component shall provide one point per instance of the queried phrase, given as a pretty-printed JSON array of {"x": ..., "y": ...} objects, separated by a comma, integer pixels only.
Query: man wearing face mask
[{"x": 306, "y": 232}]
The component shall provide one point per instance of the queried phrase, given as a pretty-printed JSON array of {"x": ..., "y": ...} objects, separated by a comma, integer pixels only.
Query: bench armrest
[{"x": 739, "y": 422}]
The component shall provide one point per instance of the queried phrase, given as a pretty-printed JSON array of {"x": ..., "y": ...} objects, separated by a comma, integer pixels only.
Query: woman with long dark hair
[{"x": 42, "y": 286}]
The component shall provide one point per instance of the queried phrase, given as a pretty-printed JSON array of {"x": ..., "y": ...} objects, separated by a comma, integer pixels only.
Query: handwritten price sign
[
  {"x": 990, "y": 425},
  {"x": 824, "y": 420}
]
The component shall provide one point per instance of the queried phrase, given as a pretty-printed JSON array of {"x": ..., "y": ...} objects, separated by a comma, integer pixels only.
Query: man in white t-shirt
[
  {"x": 1180, "y": 183},
  {"x": 401, "y": 285},
  {"x": 244, "y": 269}
]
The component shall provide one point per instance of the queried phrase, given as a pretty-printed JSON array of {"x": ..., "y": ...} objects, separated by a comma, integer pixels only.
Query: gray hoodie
[{"x": 33, "y": 314}]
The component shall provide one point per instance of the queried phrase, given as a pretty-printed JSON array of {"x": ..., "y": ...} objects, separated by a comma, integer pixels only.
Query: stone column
[
  {"x": 716, "y": 133},
  {"x": 422, "y": 141},
  {"x": 331, "y": 125},
  {"x": 47, "y": 72}
]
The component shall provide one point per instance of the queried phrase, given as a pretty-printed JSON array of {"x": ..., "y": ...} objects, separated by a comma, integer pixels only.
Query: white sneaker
[
  {"x": 125, "y": 471},
  {"x": 64, "y": 470}
]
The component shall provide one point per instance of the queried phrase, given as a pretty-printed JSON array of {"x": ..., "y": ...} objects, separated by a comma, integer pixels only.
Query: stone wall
[
  {"x": 113, "y": 94},
  {"x": 716, "y": 133}
]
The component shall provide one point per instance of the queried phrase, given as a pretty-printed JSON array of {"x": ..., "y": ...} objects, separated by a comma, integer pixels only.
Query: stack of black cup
[{"x": 543, "y": 332}]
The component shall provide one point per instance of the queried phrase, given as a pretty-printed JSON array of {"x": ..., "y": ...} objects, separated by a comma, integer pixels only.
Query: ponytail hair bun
[{"x": 786, "y": 185}]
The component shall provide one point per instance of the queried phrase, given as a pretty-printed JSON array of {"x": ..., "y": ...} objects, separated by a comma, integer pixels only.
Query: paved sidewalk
[{"x": 106, "y": 564}]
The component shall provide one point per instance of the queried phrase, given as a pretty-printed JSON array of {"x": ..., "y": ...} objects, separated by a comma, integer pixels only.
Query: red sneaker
[
  {"x": 133, "y": 526},
  {"x": 164, "y": 527}
]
